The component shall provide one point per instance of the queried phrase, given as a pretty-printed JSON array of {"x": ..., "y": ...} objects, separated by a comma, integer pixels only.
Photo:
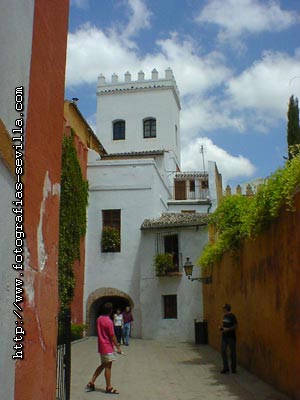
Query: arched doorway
[{"x": 97, "y": 299}]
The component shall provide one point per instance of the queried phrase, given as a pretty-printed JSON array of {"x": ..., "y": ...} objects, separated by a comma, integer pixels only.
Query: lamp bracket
[{"x": 204, "y": 279}]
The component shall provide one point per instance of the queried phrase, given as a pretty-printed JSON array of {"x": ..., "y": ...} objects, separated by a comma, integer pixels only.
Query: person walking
[
  {"x": 228, "y": 329},
  {"x": 118, "y": 325},
  {"x": 106, "y": 342},
  {"x": 128, "y": 320}
]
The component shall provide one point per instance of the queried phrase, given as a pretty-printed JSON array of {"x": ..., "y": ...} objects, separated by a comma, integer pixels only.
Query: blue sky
[{"x": 236, "y": 63}]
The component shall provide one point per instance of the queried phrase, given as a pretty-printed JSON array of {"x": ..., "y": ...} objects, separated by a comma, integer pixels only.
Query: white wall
[
  {"x": 7, "y": 284},
  {"x": 135, "y": 188},
  {"x": 16, "y": 24},
  {"x": 212, "y": 185},
  {"x": 189, "y": 294},
  {"x": 189, "y": 205}
]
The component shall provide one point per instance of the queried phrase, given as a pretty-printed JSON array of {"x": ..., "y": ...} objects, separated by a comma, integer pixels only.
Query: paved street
[{"x": 154, "y": 370}]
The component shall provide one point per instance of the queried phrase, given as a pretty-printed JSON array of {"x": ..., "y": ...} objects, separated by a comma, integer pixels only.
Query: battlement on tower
[{"x": 104, "y": 87}]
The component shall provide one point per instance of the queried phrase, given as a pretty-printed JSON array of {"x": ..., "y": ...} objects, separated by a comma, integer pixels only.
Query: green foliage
[
  {"x": 163, "y": 263},
  {"x": 77, "y": 331},
  {"x": 239, "y": 217},
  {"x": 72, "y": 219},
  {"x": 110, "y": 241},
  {"x": 293, "y": 127}
]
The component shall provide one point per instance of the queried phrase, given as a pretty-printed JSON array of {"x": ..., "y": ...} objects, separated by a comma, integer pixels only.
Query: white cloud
[
  {"x": 139, "y": 18},
  {"x": 205, "y": 114},
  {"x": 80, "y": 3},
  {"x": 195, "y": 73},
  {"x": 91, "y": 51},
  {"x": 230, "y": 166},
  {"x": 266, "y": 86},
  {"x": 212, "y": 97},
  {"x": 238, "y": 17}
]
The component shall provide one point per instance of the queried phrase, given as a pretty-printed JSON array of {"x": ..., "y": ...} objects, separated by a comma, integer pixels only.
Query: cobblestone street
[{"x": 154, "y": 370}]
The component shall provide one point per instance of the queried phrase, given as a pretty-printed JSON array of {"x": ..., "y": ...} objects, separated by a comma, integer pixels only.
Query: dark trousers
[
  {"x": 118, "y": 333},
  {"x": 231, "y": 343}
]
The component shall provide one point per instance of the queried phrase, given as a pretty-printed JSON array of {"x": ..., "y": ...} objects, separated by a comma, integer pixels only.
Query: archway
[{"x": 97, "y": 299}]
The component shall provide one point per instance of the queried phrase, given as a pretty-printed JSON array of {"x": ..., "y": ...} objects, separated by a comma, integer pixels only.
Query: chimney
[
  {"x": 127, "y": 77},
  {"x": 169, "y": 73},
  {"x": 114, "y": 78},
  {"x": 141, "y": 76},
  {"x": 101, "y": 79},
  {"x": 154, "y": 75}
]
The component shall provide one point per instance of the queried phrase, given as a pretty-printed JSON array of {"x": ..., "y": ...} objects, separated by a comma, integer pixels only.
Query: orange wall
[
  {"x": 261, "y": 282},
  {"x": 36, "y": 374}
]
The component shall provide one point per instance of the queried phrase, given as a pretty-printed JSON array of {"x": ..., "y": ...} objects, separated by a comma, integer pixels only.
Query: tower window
[
  {"x": 119, "y": 130},
  {"x": 150, "y": 128}
]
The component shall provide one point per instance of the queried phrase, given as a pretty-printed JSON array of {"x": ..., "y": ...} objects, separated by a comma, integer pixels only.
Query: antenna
[{"x": 202, "y": 152}]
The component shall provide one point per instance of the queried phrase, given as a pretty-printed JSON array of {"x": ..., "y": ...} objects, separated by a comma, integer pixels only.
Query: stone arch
[{"x": 100, "y": 296}]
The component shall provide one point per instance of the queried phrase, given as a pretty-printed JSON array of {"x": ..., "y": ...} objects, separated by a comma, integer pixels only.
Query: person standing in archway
[
  {"x": 106, "y": 342},
  {"x": 128, "y": 320},
  {"x": 118, "y": 325}
]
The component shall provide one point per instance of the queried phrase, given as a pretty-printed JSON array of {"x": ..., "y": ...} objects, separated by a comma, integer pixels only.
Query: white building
[{"x": 138, "y": 190}]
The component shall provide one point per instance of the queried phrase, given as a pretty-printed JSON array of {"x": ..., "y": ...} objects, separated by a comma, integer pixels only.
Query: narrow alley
[{"x": 152, "y": 370}]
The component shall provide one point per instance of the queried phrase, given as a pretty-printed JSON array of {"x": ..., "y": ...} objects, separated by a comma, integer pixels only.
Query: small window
[
  {"x": 204, "y": 184},
  {"x": 111, "y": 231},
  {"x": 170, "y": 306},
  {"x": 119, "y": 130},
  {"x": 150, "y": 128}
]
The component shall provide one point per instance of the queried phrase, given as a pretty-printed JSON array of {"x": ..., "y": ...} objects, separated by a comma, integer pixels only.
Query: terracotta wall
[
  {"x": 261, "y": 283},
  {"x": 36, "y": 373}
]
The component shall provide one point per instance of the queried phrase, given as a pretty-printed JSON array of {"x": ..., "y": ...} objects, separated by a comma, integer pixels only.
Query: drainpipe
[{"x": 209, "y": 207}]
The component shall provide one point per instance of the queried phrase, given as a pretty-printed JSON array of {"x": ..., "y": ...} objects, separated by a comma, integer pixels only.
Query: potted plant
[
  {"x": 110, "y": 241},
  {"x": 163, "y": 263}
]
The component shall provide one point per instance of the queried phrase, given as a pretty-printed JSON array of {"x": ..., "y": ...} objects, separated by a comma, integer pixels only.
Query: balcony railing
[{"x": 186, "y": 194}]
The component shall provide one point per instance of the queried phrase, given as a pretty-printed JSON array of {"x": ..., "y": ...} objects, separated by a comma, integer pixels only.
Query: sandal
[
  {"x": 111, "y": 391},
  {"x": 90, "y": 387}
]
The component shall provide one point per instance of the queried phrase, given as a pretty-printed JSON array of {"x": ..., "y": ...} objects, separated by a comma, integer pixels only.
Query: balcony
[{"x": 184, "y": 193}]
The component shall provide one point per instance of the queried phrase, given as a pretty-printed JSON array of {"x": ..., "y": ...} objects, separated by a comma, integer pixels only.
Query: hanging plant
[
  {"x": 110, "y": 241},
  {"x": 163, "y": 263},
  {"x": 72, "y": 219}
]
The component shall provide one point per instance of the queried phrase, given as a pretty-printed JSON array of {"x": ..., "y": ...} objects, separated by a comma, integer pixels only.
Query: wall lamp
[{"x": 188, "y": 269}]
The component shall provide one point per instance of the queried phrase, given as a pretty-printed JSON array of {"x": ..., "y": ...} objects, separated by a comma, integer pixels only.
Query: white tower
[{"x": 141, "y": 115}]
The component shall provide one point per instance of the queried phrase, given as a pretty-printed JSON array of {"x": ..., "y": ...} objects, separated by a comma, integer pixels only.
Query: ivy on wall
[
  {"x": 72, "y": 219},
  {"x": 240, "y": 217}
]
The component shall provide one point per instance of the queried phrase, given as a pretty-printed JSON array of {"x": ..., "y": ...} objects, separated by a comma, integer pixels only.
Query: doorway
[{"x": 118, "y": 300}]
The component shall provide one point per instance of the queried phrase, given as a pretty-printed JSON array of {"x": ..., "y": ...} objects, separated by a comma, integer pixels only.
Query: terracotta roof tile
[{"x": 176, "y": 220}]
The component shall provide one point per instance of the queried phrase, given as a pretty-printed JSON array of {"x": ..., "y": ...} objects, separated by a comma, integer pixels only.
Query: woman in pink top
[{"x": 106, "y": 342}]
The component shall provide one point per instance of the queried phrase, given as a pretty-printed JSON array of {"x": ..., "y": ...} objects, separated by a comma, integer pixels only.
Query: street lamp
[{"x": 188, "y": 269}]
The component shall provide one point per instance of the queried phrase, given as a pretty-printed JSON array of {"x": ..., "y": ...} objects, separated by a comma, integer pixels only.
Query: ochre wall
[
  {"x": 36, "y": 373},
  {"x": 79, "y": 265},
  {"x": 261, "y": 282},
  {"x": 75, "y": 120}
]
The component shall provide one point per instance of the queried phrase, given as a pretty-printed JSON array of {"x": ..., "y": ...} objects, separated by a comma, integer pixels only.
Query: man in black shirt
[{"x": 228, "y": 329}]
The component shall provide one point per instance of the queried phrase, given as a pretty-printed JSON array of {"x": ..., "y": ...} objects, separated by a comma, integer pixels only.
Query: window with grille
[
  {"x": 192, "y": 186},
  {"x": 150, "y": 128},
  {"x": 171, "y": 246},
  {"x": 170, "y": 306},
  {"x": 168, "y": 242},
  {"x": 111, "y": 231},
  {"x": 119, "y": 130}
]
